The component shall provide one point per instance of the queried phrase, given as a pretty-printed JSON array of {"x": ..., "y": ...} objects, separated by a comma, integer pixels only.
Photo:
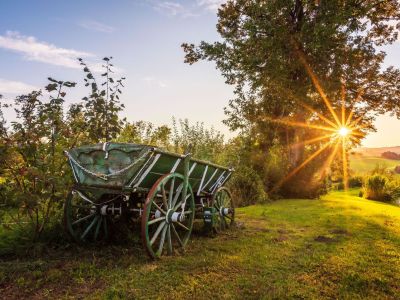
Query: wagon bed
[{"x": 120, "y": 165}]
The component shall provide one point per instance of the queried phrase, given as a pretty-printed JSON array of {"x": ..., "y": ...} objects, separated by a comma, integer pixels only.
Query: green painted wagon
[{"x": 163, "y": 191}]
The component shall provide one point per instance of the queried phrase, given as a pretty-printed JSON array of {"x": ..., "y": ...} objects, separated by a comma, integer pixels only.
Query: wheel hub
[
  {"x": 173, "y": 217},
  {"x": 224, "y": 211}
]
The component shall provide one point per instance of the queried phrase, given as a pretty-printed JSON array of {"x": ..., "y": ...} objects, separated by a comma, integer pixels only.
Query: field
[
  {"x": 361, "y": 164},
  {"x": 340, "y": 246}
]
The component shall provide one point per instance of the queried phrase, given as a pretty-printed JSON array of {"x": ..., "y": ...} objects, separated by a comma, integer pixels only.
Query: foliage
[
  {"x": 247, "y": 187},
  {"x": 202, "y": 143},
  {"x": 397, "y": 169},
  {"x": 34, "y": 166},
  {"x": 269, "y": 50},
  {"x": 145, "y": 133},
  {"x": 375, "y": 188},
  {"x": 356, "y": 181},
  {"x": 102, "y": 106},
  {"x": 382, "y": 188}
]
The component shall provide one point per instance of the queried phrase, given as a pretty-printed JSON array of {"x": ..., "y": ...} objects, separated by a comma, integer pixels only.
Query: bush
[
  {"x": 397, "y": 169},
  {"x": 375, "y": 187},
  {"x": 247, "y": 187},
  {"x": 356, "y": 182},
  {"x": 382, "y": 188}
]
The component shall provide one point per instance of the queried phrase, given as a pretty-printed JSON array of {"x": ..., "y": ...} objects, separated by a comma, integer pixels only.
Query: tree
[
  {"x": 102, "y": 106},
  {"x": 142, "y": 132},
  {"x": 202, "y": 143},
  {"x": 35, "y": 167},
  {"x": 287, "y": 58}
]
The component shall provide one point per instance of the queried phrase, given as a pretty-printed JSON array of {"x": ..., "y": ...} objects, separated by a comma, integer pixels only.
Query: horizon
[{"x": 38, "y": 40}]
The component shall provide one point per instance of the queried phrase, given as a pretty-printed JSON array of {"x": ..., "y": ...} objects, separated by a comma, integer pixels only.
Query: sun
[
  {"x": 344, "y": 131},
  {"x": 339, "y": 129}
]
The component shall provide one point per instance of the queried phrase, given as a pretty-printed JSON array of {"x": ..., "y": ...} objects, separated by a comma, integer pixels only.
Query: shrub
[
  {"x": 247, "y": 187},
  {"x": 356, "y": 182},
  {"x": 397, "y": 169},
  {"x": 375, "y": 187},
  {"x": 382, "y": 188}
]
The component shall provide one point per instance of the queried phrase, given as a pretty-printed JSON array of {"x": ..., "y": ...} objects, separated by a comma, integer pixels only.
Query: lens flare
[
  {"x": 340, "y": 128},
  {"x": 344, "y": 131}
]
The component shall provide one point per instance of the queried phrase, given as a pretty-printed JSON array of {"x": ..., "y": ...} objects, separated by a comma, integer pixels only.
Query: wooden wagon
[{"x": 162, "y": 190}]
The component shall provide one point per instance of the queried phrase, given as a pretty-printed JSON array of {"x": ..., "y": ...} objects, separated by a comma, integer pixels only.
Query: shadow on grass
[{"x": 288, "y": 249}]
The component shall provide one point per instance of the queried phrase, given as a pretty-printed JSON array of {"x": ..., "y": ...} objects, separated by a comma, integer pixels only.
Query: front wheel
[
  {"x": 222, "y": 201},
  {"x": 168, "y": 216}
]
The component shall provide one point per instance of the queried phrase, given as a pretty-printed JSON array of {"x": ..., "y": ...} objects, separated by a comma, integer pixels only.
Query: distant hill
[
  {"x": 364, "y": 160},
  {"x": 376, "y": 152}
]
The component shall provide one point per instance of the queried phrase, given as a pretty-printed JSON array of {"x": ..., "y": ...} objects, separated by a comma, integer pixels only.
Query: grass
[
  {"x": 340, "y": 246},
  {"x": 365, "y": 164}
]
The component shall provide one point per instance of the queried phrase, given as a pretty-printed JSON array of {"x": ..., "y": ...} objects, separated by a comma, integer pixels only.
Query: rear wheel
[
  {"x": 168, "y": 216},
  {"x": 83, "y": 218},
  {"x": 223, "y": 202}
]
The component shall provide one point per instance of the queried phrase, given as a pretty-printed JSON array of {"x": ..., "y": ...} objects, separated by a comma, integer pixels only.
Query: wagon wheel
[
  {"x": 167, "y": 218},
  {"x": 223, "y": 203},
  {"x": 83, "y": 219}
]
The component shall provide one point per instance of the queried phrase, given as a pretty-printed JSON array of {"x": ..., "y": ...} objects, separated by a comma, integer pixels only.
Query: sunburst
[{"x": 338, "y": 130}]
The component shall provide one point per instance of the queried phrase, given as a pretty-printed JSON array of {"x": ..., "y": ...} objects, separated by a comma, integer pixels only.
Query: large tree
[{"x": 288, "y": 59}]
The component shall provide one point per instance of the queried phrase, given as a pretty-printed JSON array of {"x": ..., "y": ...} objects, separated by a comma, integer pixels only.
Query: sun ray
[
  {"x": 306, "y": 106},
  {"x": 350, "y": 116},
  {"x": 300, "y": 124},
  {"x": 313, "y": 140},
  {"x": 345, "y": 166},
  {"x": 317, "y": 113},
  {"x": 318, "y": 87},
  {"x": 298, "y": 168},
  {"x": 329, "y": 161}
]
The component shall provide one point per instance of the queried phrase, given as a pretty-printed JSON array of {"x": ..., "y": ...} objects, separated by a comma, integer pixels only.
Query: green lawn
[
  {"x": 365, "y": 164},
  {"x": 340, "y": 246}
]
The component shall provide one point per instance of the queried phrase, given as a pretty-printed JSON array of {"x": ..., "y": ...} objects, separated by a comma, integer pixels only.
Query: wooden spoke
[
  {"x": 177, "y": 236},
  {"x": 183, "y": 226},
  {"x": 160, "y": 247},
  {"x": 222, "y": 200},
  {"x": 159, "y": 235},
  {"x": 180, "y": 203},
  {"x": 178, "y": 193},
  {"x": 156, "y": 220},
  {"x": 171, "y": 192},
  {"x": 82, "y": 219},
  {"x": 164, "y": 197},
  {"x": 89, "y": 228},
  {"x": 96, "y": 233},
  {"x": 159, "y": 208},
  {"x": 169, "y": 241},
  {"x": 159, "y": 228}
]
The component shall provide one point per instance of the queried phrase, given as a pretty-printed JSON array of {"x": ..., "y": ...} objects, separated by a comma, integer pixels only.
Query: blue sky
[{"x": 43, "y": 38}]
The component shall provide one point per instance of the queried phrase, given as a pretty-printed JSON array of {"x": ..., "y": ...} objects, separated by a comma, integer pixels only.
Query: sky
[{"x": 43, "y": 38}]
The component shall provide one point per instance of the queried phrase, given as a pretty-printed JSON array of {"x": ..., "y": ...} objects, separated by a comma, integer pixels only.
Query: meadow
[
  {"x": 361, "y": 164},
  {"x": 339, "y": 246}
]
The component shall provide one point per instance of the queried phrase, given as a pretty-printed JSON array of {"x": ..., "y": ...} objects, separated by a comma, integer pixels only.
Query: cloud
[
  {"x": 212, "y": 5},
  {"x": 35, "y": 50},
  {"x": 15, "y": 87},
  {"x": 96, "y": 26},
  {"x": 171, "y": 9},
  {"x": 151, "y": 81}
]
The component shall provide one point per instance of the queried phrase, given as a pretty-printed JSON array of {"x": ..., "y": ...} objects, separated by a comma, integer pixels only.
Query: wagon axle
[{"x": 111, "y": 209}]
